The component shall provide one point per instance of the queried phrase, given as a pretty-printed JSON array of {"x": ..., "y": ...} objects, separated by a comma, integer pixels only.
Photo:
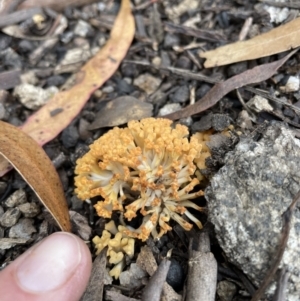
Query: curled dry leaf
[
  {"x": 30, "y": 160},
  {"x": 58, "y": 113},
  {"x": 255, "y": 75},
  {"x": 277, "y": 40}
]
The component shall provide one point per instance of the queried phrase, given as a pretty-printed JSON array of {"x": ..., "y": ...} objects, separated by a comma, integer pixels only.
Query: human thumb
[{"x": 57, "y": 268}]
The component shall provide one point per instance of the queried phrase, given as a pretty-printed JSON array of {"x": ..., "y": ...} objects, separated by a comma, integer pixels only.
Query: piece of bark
[
  {"x": 54, "y": 4},
  {"x": 146, "y": 261},
  {"x": 202, "y": 277},
  {"x": 115, "y": 296},
  {"x": 19, "y": 16},
  {"x": 94, "y": 290},
  {"x": 8, "y": 6},
  {"x": 153, "y": 289}
]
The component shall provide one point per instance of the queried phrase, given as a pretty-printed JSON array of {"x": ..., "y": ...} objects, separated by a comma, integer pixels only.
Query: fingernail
[{"x": 49, "y": 265}]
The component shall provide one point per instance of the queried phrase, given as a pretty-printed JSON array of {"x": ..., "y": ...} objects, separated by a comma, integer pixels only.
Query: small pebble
[
  {"x": 83, "y": 29},
  {"x": 169, "y": 108},
  {"x": 171, "y": 40},
  {"x": 15, "y": 199},
  {"x": 181, "y": 95},
  {"x": 33, "y": 97},
  {"x": 147, "y": 82},
  {"x": 220, "y": 122},
  {"x": 70, "y": 136},
  {"x": 133, "y": 277},
  {"x": 10, "y": 217},
  {"x": 29, "y": 209},
  {"x": 23, "y": 229},
  {"x": 76, "y": 203}
]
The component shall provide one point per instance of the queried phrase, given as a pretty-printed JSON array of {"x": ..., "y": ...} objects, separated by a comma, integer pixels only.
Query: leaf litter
[
  {"x": 252, "y": 76},
  {"x": 280, "y": 39}
]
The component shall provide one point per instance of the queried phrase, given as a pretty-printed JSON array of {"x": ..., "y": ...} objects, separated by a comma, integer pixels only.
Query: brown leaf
[
  {"x": 30, "y": 160},
  {"x": 59, "y": 112},
  {"x": 255, "y": 75},
  {"x": 277, "y": 40}
]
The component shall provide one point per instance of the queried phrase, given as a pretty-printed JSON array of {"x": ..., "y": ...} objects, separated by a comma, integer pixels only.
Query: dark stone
[
  {"x": 4, "y": 41},
  {"x": 288, "y": 112},
  {"x": 55, "y": 80},
  {"x": 203, "y": 124},
  {"x": 181, "y": 94},
  {"x": 220, "y": 122},
  {"x": 26, "y": 46},
  {"x": 175, "y": 275},
  {"x": 184, "y": 62},
  {"x": 70, "y": 136}
]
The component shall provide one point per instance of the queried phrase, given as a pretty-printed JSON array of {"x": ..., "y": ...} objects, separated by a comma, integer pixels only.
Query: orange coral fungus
[{"x": 147, "y": 167}]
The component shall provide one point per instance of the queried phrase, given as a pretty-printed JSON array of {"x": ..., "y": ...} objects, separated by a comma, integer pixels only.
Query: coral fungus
[
  {"x": 148, "y": 167},
  {"x": 117, "y": 247}
]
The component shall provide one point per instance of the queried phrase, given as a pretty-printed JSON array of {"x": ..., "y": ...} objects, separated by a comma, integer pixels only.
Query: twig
[
  {"x": 202, "y": 277},
  {"x": 176, "y": 71},
  {"x": 94, "y": 289},
  {"x": 19, "y": 16},
  {"x": 245, "y": 29},
  {"x": 287, "y": 217},
  {"x": 280, "y": 293},
  {"x": 154, "y": 288}
]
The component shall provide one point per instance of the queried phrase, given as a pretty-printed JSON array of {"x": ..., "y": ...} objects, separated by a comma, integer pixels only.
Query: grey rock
[
  {"x": 17, "y": 198},
  {"x": 10, "y": 217},
  {"x": 29, "y": 209},
  {"x": 220, "y": 122},
  {"x": 1, "y": 211},
  {"x": 23, "y": 229},
  {"x": 246, "y": 200},
  {"x": 83, "y": 29},
  {"x": 34, "y": 97},
  {"x": 80, "y": 225}
]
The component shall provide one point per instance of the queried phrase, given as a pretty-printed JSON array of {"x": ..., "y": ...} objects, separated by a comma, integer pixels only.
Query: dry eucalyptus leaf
[
  {"x": 277, "y": 40},
  {"x": 30, "y": 160},
  {"x": 255, "y": 75},
  {"x": 120, "y": 111}
]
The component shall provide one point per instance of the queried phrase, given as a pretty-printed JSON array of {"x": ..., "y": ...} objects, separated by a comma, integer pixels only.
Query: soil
[{"x": 163, "y": 39}]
